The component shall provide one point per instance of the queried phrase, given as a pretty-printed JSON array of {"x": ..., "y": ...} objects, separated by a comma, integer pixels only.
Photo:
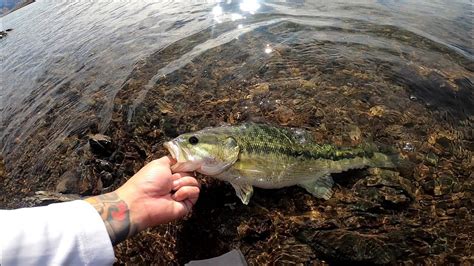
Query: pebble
[
  {"x": 408, "y": 147},
  {"x": 377, "y": 111},
  {"x": 101, "y": 144},
  {"x": 432, "y": 159}
]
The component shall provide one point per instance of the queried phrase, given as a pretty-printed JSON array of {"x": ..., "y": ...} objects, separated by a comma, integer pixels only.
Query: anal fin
[
  {"x": 243, "y": 191},
  {"x": 320, "y": 188}
]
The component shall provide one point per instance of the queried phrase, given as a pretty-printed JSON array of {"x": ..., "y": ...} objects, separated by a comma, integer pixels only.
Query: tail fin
[
  {"x": 384, "y": 156},
  {"x": 393, "y": 161},
  {"x": 383, "y": 161}
]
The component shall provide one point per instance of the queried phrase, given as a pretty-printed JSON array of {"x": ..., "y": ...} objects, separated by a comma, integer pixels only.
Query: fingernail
[{"x": 175, "y": 183}]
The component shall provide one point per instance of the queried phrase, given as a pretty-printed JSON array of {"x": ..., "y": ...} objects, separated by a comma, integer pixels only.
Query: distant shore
[{"x": 17, "y": 4}]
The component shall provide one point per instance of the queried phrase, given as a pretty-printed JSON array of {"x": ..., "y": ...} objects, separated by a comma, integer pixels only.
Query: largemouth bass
[{"x": 268, "y": 157}]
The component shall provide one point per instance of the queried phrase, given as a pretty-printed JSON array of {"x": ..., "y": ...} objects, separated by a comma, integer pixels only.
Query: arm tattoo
[{"x": 115, "y": 214}]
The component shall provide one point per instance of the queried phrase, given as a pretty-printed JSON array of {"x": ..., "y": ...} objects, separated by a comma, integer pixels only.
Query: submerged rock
[
  {"x": 43, "y": 198},
  {"x": 101, "y": 145},
  {"x": 68, "y": 182},
  {"x": 342, "y": 246},
  {"x": 4, "y": 33},
  {"x": 439, "y": 186},
  {"x": 386, "y": 188},
  {"x": 432, "y": 159}
]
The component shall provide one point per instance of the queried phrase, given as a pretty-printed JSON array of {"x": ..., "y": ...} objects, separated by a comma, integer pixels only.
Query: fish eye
[{"x": 193, "y": 140}]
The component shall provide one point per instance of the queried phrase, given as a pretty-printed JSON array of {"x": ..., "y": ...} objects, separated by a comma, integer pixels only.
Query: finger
[
  {"x": 163, "y": 161},
  {"x": 189, "y": 204},
  {"x": 185, "y": 181},
  {"x": 186, "y": 206},
  {"x": 192, "y": 199},
  {"x": 187, "y": 192},
  {"x": 183, "y": 208},
  {"x": 177, "y": 176}
]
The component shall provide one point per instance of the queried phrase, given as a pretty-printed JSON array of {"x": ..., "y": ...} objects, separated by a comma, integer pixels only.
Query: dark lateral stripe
[
  {"x": 263, "y": 139},
  {"x": 318, "y": 152}
]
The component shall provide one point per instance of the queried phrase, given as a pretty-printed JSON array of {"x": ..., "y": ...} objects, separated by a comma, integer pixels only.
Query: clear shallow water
[
  {"x": 399, "y": 72},
  {"x": 99, "y": 44}
]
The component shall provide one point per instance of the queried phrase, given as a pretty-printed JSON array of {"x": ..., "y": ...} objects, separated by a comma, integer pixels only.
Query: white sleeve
[{"x": 70, "y": 233}]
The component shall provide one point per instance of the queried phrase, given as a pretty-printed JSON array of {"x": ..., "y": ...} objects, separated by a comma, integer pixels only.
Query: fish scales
[
  {"x": 264, "y": 140},
  {"x": 263, "y": 146},
  {"x": 268, "y": 157}
]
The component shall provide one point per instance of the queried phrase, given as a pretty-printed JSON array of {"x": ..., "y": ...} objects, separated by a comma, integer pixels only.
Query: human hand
[{"x": 154, "y": 195}]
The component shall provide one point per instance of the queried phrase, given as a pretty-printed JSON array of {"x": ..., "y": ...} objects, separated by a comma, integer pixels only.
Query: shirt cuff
[
  {"x": 70, "y": 233},
  {"x": 95, "y": 244}
]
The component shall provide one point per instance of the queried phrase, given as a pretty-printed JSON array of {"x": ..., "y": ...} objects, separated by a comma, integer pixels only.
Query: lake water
[{"x": 397, "y": 72}]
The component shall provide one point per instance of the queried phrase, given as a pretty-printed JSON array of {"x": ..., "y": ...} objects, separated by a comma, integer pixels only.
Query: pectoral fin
[
  {"x": 320, "y": 188},
  {"x": 243, "y": 191}
]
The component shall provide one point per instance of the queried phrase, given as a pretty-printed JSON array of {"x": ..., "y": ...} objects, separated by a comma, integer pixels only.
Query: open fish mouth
[
  {"x": 184, "y": 162},
  {"x": 173, "y": 149},
  {"x": 175, "y": 153}
]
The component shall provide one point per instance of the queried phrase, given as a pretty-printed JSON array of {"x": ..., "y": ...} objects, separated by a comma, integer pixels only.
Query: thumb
[{"x": 165, "y": 161}]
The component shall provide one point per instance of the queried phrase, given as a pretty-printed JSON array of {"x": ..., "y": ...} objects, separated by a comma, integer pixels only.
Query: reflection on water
[{"x": 397, "y": 72}]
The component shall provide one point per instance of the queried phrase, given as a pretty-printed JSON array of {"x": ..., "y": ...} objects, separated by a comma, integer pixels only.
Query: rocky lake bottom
[{"x": 343, "y": 94}]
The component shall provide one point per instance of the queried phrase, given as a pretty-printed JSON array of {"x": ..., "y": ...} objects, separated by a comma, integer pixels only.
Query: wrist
[
  {"x": 115, "y": 213},
  {"x": 138, "y": 217}
]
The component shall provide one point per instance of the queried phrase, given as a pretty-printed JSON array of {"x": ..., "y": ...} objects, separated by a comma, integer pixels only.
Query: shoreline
[{"x": 5, "y": 11}]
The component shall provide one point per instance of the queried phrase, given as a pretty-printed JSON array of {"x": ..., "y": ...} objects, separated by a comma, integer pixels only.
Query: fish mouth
[
  {"x": 174, "y": 150},
  {"x": 175, "y": 153},
  {"x": 182, "y": 163}
]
